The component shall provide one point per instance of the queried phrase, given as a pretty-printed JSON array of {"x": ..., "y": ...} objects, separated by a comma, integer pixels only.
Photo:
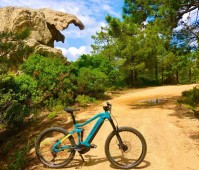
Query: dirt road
[{"x": 172, "y": 140}]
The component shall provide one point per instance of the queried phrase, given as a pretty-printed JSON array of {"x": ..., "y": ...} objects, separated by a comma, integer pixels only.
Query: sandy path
[{"x": 173, "y": 142}]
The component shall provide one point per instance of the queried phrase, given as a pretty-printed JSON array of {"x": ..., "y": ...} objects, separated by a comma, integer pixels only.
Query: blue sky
[{"x": 92, "y": 13}]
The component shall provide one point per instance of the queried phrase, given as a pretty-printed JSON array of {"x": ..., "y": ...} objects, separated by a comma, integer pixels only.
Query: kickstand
[{"x": 82, "y": 157}]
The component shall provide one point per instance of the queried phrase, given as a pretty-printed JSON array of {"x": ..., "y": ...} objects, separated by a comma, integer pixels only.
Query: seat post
[
  {"x": 71, "y": 112},
  {"x": 73, "y": 117}
]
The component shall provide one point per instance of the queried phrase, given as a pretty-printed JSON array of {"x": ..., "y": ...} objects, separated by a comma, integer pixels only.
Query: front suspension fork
[{"x": 115, "y": 129}]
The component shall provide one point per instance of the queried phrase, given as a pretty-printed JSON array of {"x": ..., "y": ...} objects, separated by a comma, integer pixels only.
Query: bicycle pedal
[{"x": 93, "y": 146}]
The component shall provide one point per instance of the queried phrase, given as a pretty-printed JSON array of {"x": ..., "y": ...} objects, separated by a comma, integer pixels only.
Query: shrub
[
  {"x": 53, "y": 79},
  {"x": 6, "y": 147},
  {"x": 52, "y": 115},
  {"x": 27, "y": 90},
  {"x": 18, "y": 160},
  {"x": 8, "y": 100},
  {"x": 19, "y": 96},
  {"x": 191, "y": 97},
  {"x": 83, "y": 100},
  {"x": 92, "y": 82}
]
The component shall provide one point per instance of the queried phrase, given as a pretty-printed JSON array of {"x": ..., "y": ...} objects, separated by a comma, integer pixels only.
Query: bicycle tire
[
  {"x": 131, "y": 162},
  {"x": 42, "y": 143}
]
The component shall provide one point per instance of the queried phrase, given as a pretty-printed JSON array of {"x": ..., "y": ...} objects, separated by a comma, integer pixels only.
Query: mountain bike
[{"x": 125, "y": 147}]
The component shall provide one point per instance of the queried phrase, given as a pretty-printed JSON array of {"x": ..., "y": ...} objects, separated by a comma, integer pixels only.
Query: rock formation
[{"x": 45, "y": 26}]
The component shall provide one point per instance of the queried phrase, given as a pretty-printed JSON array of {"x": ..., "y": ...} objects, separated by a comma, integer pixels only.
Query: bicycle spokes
[
  {"x": 131, "y": 148},
  {"x": 52, "y": 149},
  {"x": 128, "y": 154}
]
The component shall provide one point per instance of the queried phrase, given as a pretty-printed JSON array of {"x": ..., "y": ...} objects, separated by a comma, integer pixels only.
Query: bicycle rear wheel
[
  {"x": 135, "y": 148},
  {"x": 44, "y": 147}
]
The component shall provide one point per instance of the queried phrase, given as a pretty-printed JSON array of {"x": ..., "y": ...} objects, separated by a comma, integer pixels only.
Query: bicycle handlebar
[
  {"x": 108, "y": 104},
  {"x": 108, "y": 107}
]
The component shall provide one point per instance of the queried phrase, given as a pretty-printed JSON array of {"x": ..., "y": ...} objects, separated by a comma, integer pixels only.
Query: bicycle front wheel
[
  {"x": 44, "y": 147},
  {"x": 134, "y": 152}
]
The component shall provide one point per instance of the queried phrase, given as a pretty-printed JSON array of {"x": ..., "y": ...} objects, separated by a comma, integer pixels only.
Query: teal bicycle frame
[
  {"x": 95, "y": 129},
  {"x": 87, "y": 142}
]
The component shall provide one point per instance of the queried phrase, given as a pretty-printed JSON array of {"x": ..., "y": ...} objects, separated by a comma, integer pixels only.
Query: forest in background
[{"x": 127, "y": 53}]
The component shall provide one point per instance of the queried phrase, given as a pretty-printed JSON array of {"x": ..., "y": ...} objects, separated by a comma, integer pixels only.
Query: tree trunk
[
  {"x": 133, "y": 72},
  {"x": 156, "y": 72},
  {"x": 177, "y": 76},
  {"x": 190, "y": 75},
  {"x": 162, "y": 74},
  {"x": 133, "y": 77}
]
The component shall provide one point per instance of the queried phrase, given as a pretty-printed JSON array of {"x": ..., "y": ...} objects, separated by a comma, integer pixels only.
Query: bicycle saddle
[{"x": 69, "y": 110}]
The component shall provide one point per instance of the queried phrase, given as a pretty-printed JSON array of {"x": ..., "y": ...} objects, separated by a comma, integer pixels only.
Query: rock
[
  {"x": 45, "y": 50},
  {"x": 45, "y": 25}
]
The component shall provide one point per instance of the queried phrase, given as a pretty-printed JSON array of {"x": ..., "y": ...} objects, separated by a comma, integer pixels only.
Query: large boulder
[{"x": 45, "y": 25}]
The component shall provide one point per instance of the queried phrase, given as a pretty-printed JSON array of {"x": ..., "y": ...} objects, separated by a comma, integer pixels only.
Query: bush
[
  {"x": 6, "y": 147},
  {"x": 191, "y": 97},
  {"x": 10, "y": 108},
  {"x": 83, "y": 100},
  {"x": 92, "y": 82},
  {"x": 28, "y": 91},
  {"x": 53, "y": 79},
  {"x": 19, "y": 97},
  {"x": 101, "y": 64},
  {"x": 52, "y": 115},
  {"x": 18, "y": 160}
]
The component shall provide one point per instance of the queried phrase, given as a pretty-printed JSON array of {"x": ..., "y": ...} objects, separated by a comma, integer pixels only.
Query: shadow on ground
[
  {"x": 18, "y": 138},
  {"x": 91, "y": 160}
]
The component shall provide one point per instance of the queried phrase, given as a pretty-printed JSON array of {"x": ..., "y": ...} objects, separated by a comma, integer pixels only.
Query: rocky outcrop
[{"x": 45, "y": 25}]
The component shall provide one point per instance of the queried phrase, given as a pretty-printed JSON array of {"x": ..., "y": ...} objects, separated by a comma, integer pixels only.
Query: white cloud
[
  {"x": 73, "y": 53},
  {"x": 89, "y": 30},
  {"x": 110, "y": 10}
]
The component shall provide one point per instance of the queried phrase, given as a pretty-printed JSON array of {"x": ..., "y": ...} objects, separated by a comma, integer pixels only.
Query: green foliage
[
  {"x": 16, "y": 113},
  {"x": 191, "y": 97},
  {"x": 91, "y": 82},
  {"x": 84, "y": 100},
  {"x": 53, "y": 79},
  {"x": 101, "y": 64},
  {"x": 143, "y": 54},
  {"x": 6, "y": 147},
  {"x": 17, "y": 98},
  {"x": 18, "y": 160},
  {"x": 28, "y": 91},
  {"x": 52, "y": 115},
  {"x": 13, "y": 50},
  {"x": 167, "y": 12}
]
